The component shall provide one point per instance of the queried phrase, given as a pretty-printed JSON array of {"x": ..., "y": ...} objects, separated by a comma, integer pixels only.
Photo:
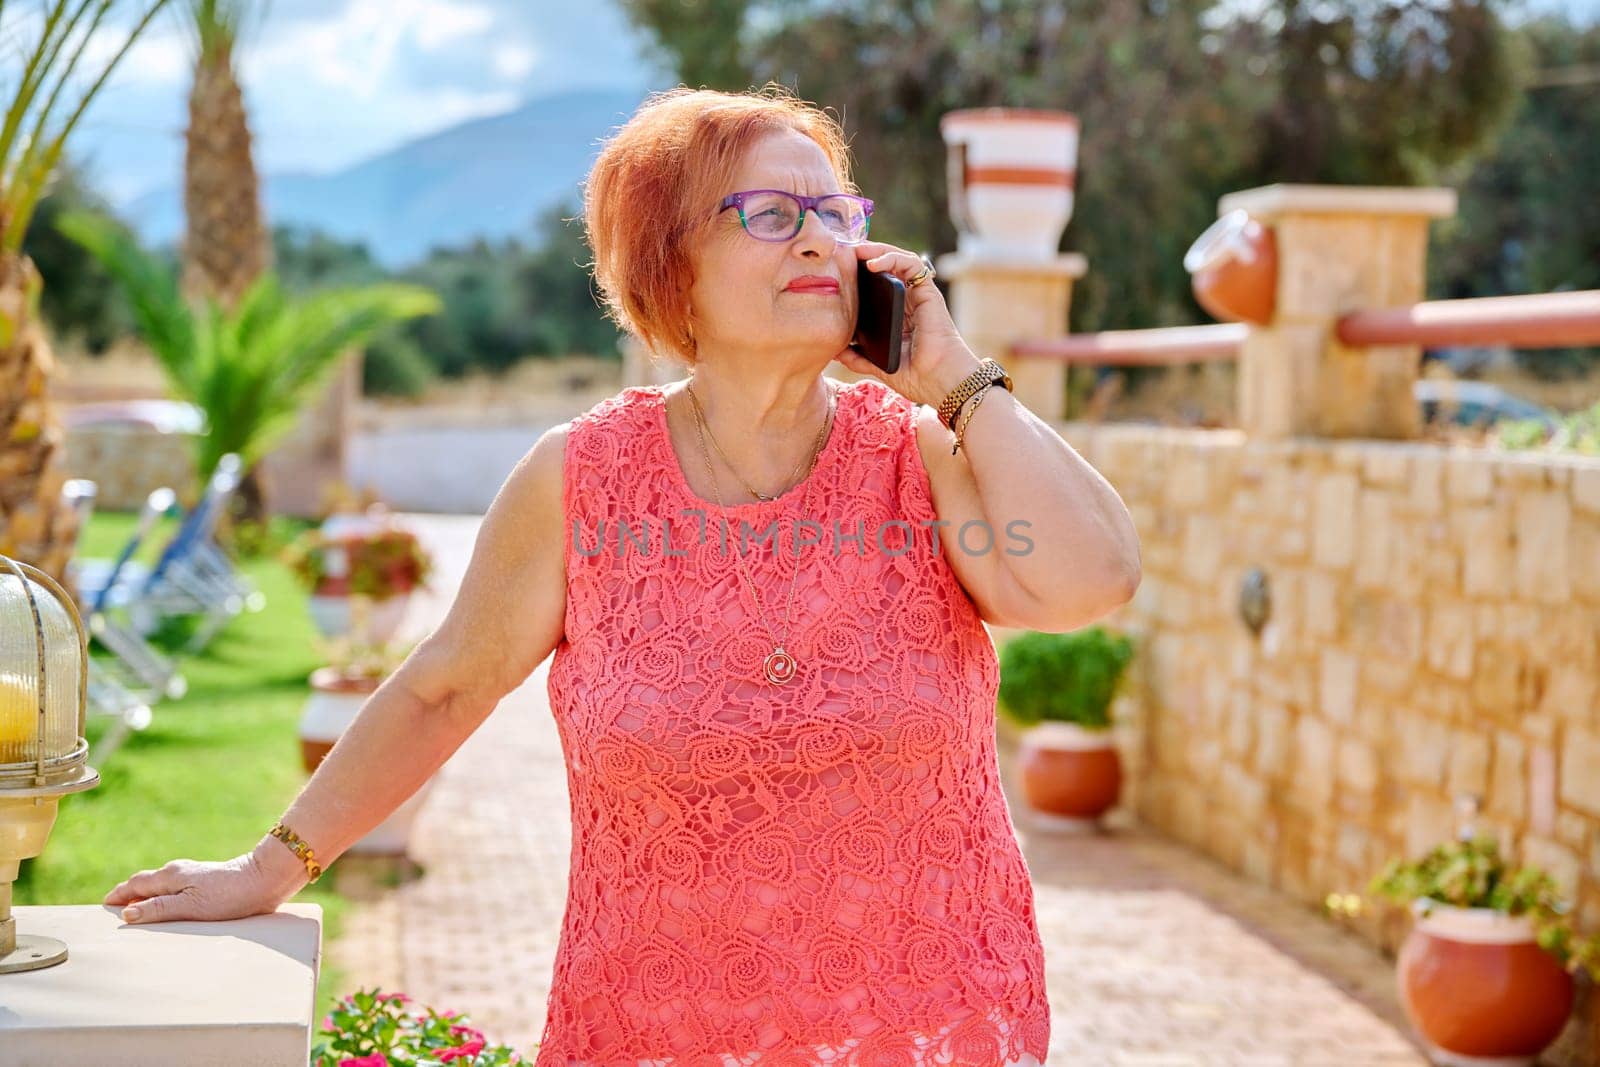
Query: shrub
[
  {"x": 1068, "y": 677},
  {"x": 1470, "y": 873},
  {"x": 380, "y": 1029}
]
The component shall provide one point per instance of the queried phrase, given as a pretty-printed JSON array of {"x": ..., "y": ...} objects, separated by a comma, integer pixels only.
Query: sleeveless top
[{"x": 823, "y": 871}]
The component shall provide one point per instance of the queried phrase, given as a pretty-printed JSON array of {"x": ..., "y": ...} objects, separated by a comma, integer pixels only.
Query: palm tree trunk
[
  {"x": 226, "y": 246},
  {"x": 36, "y": 525}
]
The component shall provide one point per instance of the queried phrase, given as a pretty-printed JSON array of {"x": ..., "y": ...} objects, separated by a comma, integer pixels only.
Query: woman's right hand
[{"x": 189, "y": 889}]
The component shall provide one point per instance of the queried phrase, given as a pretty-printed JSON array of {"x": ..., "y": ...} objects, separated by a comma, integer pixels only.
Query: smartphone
[{"x": 880, "y": 317}]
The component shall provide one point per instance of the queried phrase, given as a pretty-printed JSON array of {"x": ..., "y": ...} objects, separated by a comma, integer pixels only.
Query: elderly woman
[{"x": 771, "y": 676}]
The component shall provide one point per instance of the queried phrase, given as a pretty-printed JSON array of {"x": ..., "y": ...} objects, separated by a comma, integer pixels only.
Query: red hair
[{"x": 651, "y": 195}]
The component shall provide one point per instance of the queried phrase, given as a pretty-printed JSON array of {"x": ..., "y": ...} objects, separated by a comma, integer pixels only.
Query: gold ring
[{"x": 921, "y": 276}]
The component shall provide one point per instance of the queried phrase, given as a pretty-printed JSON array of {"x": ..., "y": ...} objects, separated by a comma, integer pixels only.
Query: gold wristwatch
[{"x": 989, "y": 372}]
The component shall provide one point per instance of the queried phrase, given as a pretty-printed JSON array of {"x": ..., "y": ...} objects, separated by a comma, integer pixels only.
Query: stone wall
[
  {"x": 1434, "y": 631},
  {"x": 127, "y": 463}
]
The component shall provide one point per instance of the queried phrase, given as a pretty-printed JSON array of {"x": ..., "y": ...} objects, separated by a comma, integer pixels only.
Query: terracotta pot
[
  {"x": 1233, "y": 269},
  {"x": 1011, "y": 174},
  {"x": 1071, "y": 776},
  {"x": 333, "y": 705},
  {"x": 333, "y": 616},
  {"x": 1478, "y": 988}
]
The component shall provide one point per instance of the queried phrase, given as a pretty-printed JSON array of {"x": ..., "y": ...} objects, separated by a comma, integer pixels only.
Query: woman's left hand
[{"x": 933, "y": 356}]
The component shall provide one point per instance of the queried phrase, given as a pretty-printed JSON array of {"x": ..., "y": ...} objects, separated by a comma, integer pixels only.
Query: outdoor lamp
[{"x": 44, "y": 670}]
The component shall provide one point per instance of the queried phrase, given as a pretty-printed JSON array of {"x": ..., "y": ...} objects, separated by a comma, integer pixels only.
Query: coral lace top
[{"x": 817, "y": 872}]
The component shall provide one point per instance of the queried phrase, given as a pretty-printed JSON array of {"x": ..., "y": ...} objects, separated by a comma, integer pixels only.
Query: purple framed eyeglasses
[{"x": 776, "y": 215}]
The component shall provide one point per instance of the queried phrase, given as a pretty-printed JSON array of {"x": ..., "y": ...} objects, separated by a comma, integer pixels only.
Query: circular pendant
[{"x": 779, "y": 666}]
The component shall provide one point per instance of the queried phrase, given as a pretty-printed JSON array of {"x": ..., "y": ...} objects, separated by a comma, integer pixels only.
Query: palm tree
[
  {"x": 226, "y": 244},
  {"x": 250, "y": 368},
  {"x": 41, "y": 110}
]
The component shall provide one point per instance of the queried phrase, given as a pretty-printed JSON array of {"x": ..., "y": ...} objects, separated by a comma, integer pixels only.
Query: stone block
[
  {"x": 1188, "y": 482},
  {"x": 1314, "y": 762},
  {"x": 1322, "y": 612},
  {"x": 1421, "y": 752},
  {"x": 1509, "y": 778},
  {"x": 1333, "y": 542},
  {"x": 1358, "y": 765},
  {"x": 1338, "y": 671},
  {"x": 1450, "y": 644},
  {"x": 1429, "y": 821},
  {"x": 1202, "y": 548},
  {"x": 1580, "y": 770},
  {"x": 1543, "y": 521},
  {"x": 1573, "y": 829},
  {"x": 1375, "y": 533},
  {"x": 1502, "y": 682},
  {"x": 1386, "y": 466},
  {"x": 1569, "y": 693},
  {"x": 1586, "y": 488},
  {"x": 1469, "y": 763},
  {"x": 1469, "y": 477},
  {"x": 1272, "y": 740},
  {"x": 1583, "y": 559},
  {"x": 1542, "y": 785},
  {"x": 1486, "y": 547},
  {"x": 1425, "y": 496}
]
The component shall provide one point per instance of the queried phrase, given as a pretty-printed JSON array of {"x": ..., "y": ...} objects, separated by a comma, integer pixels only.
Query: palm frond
[
  {"x": 28, "y": 161},
  {"x": 163, "y": 319},
  {"x": 218, "y": 25},
  {"x": 251, "y": 369}
]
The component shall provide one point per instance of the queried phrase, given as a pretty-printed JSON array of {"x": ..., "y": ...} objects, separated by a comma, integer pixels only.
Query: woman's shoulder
[{"x": 622, "y": 412}]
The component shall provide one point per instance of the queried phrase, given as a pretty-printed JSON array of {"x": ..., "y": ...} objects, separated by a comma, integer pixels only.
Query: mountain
[{"x": 487, "y": 177}]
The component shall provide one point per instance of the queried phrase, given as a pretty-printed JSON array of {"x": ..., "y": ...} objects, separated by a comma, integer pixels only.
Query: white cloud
[
  {"x": 512, "y": 62},
  {"x": 357, "y": 49},
  {"x": 441, "y": 23}
]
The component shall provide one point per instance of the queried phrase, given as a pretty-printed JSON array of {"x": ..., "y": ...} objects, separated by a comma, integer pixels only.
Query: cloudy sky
[{"x": 330, "y": 82}]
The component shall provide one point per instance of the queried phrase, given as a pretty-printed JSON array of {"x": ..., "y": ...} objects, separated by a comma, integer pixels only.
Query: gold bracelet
[
  {"x": 299, "y": 848},
  {"x": 989, "y": 372},
  {"x": 961, "y": 431}
]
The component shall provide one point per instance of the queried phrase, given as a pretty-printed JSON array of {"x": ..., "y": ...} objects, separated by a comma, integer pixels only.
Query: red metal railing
[
  {"x": 1141, "y": 348},
  {"x": 1545, "y": 320}
]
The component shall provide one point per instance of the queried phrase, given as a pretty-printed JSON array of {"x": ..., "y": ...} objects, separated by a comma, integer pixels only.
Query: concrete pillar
[
  {"x": 1340, "y": 248},
  {"x": 310, "y": 461},
  {"x": 996, "y": 302},
  {"x": 174, "y": 994}
]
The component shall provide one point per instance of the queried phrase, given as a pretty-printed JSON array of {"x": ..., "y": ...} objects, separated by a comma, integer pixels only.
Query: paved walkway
[{"x": 1155, "y": 955}]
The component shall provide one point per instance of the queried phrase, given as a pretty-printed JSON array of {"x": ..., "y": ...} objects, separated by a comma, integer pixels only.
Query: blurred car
[
  {"x": 160, "y": 416},
  {"x": 1465, "y": 403}
]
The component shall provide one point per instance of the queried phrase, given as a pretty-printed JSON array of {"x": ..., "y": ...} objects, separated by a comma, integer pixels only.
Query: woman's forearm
[
  {"x": 1085, "y": 553},
  {"x": 397, "y": 740}
]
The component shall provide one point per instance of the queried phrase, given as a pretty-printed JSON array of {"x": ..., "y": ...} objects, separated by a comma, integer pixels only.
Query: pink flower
[
  {"x": 377, "y": 1059},
  {"x": 401, "y": 997},
  {"x": 327, "y": 1022},
  {"x": 467, "y": 1051}
]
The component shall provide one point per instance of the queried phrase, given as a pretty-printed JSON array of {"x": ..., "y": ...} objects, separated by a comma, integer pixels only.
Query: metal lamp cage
[{"x": 44, "y": 678}]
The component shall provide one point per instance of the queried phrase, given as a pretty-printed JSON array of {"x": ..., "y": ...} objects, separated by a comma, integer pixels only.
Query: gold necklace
[
  {"x": 779, "y": 666},
  {"x": 700, "y": 417}
]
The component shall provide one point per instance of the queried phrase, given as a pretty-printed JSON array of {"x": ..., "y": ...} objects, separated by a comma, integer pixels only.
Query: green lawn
[{"x": 213, "y": 771}]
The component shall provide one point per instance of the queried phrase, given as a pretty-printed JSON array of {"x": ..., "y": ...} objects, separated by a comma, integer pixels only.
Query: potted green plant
[
  {"x": 379, "y": 1029},
  {"x": 360, "y": 574},
  {"x": 1485, "y": 973},
  {"x": 1059, "y": 688}
]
